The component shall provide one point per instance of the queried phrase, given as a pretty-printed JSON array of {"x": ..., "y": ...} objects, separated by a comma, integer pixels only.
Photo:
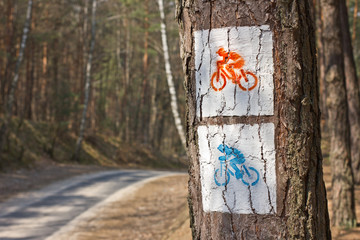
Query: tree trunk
[
  {"x": 4, "y": 127},
  {"x": 321, "y": 67},
  {"x": 127, "y": 89},
  {"x": 30, "y": 78},
  {"x": 54, "y": 108},
  {"x": 87, "y": 82},
  {"x": 352, "y": 92},
  {"x": 169, "y": 78},
  {"x": 43, "y": 106},
  {"x": 253, "y": 142},
  {"x": 142, "y": 127},
  {"x": 340, "y": 157},
  {"x": 354, "y": 21},
  {"x": 9, "y": 39},
  {"x": 153, "y": 110},
  {"x": 118, "y": 103}
]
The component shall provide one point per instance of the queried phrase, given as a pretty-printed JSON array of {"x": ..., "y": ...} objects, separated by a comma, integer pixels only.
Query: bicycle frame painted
[
  {"x": 239, "y": 173},
  {"x": 222, "y": 72}
]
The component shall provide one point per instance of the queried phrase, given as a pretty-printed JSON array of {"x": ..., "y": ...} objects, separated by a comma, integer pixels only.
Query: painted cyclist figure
[
  {"x": 226, "y": 67},
  {"x": 234, "y": 157},
  {"x": 231, "y": 60},
  {"x": 238, "y": 157}
]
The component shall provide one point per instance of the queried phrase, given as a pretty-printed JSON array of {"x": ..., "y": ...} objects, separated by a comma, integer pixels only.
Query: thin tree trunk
[
  {"x": 127, "y": 94},
  {"x": 20, "y": 58},
  {"x": 321, "y": 68},
  {"x": 83, "y": 29},
  {"x": 4, "y": 127},
  {"x": 8, "y": 44},
  {"x": 340, "y": 156},
  {"x": 352, "y": 92},
  {"x": 87, "y": 82},
  {"x": 126, "y": 110},
  {"x": 118, "y": 77},
  {"x": 27, "y": 112},
  {"x": 153, "y": 111},
  {"x": 92, "y": 110},
  {"x": 30, "y": 76},
  {"x": 141, "y": 128},
  {"x": 43, "y": 106},
  {"x": 84, "y": 41},
  {"x": 53, "y": 111},
  {"x": 275, "y": 38},
  {"x": 354, "y": 22},
  {"x": 42, "y": 103},
  {"x": 169, "y": 78}
]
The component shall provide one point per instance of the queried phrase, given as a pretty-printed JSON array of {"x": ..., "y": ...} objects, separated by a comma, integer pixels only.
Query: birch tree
[
  {"x": 87, "y": 82},
  {"x": 169, "y": 77},
  {"x": 14, "y": 82}
]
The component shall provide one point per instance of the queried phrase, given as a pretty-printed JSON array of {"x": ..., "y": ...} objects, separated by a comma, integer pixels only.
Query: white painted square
[
  {"x": 255, "y": 45},
  {"x": 256, "y": 143}
]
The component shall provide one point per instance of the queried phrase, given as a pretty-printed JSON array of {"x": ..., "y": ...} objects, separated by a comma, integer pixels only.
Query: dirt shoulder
[{"x": 156, "y": 210}]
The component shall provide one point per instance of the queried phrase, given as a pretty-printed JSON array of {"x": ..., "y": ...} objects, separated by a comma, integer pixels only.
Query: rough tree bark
[
  {"x": 87, "y": 83},
  {"x": 13, "y": 85},
  {"x": 340, "y": 156},
  {"x": 174, "y": 106},
  {"x": 300, "y": 207},
  {"x": 352, "y": 92}
]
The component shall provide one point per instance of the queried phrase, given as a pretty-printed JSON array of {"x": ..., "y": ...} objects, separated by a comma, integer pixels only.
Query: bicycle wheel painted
[
  {"x": 251, "y": 176},
  {"x": 218, "y": 83},
  {"x": 248, "y": 83},
  {"x": 221, "y": 177}
]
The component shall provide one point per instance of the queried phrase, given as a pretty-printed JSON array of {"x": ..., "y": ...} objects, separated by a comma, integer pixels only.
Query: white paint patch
[
  {"x": 255, "y": 45},
  {"x": 244, "y": 193}
]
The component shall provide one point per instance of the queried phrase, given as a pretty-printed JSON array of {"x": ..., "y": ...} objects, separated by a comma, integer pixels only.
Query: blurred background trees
[
  {"x": 341, "y": 91},
  {"x": 129, "y": 96}
]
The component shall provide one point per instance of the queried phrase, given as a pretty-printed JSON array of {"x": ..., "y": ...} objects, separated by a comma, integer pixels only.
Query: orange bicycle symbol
[{"x": 226, "y": 70}]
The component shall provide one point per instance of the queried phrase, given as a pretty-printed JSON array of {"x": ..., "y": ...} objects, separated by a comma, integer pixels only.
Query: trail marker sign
[{"x": 234, "y": 77}]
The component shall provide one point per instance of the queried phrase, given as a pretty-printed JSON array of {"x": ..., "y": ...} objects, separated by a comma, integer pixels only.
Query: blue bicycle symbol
[{"x": 248, "y": 175}]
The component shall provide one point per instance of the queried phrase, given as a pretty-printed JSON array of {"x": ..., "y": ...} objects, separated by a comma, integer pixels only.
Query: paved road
[{"x": 40, "y": 214}]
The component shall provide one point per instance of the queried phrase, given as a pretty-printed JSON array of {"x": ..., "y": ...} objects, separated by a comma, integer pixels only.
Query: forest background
[
  {"x": 129, "y": 119},
  {"x": 129, "y": 116}
]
